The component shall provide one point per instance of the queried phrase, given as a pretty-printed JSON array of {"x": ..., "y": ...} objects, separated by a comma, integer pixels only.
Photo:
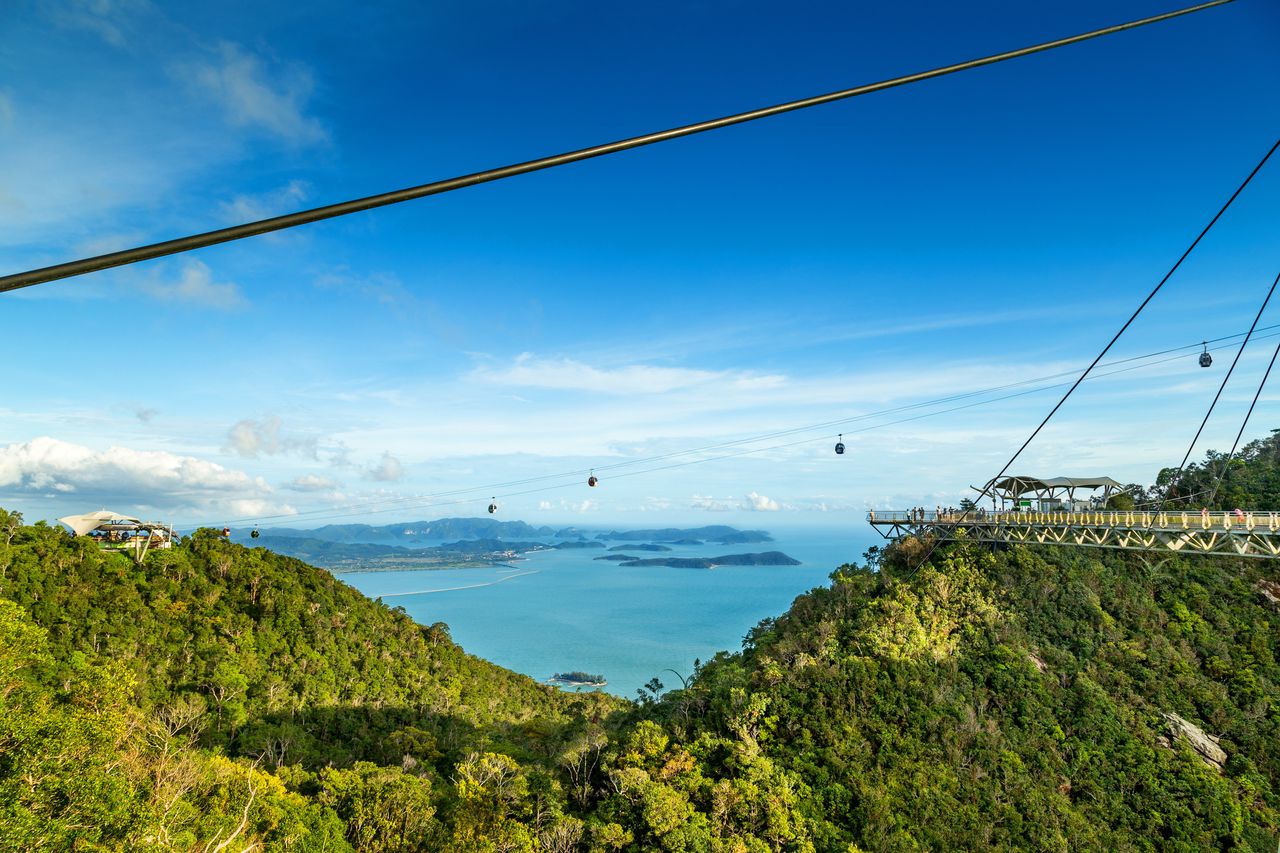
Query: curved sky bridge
[{"x": 1236, "y": 533}]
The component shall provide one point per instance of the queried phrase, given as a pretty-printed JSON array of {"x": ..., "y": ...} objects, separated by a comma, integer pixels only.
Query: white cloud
[
  {"x": 250, "y": 208},
  {"x": 565, "y": 374},
  {"x": 252, "y": 438},
  {"x": 562, "y": 505},
  {"x": 195, "y": 284},
  {"x": 242, "y": 85},
  {"x": 311, "y": 483},
  {"x": 256, "y": 508},
  {"x": 388, "y": 469},
  {"x": 757, "y": 502},
  {"x": 151, "y": 478},
  {"x": 710, "y": 504}
]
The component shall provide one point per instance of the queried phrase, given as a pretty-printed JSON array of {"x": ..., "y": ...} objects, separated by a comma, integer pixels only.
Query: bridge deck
[{"x": 1244, "y": 534}]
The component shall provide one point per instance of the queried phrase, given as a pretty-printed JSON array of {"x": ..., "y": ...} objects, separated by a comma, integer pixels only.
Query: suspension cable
[
  {"x": 1221, "y": 387},
  {"x": 1222, "y": 210},
  {"x": 1226, "y": 463},
  {"x": 431, "y": 500},
  {"x": 290, "y": 220}
]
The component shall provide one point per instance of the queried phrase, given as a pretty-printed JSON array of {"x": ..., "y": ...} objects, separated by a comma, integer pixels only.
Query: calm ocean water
[{"x": 563, "y": 610}]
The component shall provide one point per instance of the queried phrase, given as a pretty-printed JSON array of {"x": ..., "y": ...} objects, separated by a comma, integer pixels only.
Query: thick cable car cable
[{"x": 291, "y": 220}]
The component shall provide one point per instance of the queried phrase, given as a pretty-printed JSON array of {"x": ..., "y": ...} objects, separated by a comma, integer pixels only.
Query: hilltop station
[
  {"x": 114, "y": 531},
  {"x": 1073, "y": 511}
]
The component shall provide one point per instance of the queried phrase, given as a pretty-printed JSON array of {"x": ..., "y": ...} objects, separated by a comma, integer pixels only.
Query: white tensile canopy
[
  {"x": 82, "y": 525},
  {"x": 1012, "y": 488}
]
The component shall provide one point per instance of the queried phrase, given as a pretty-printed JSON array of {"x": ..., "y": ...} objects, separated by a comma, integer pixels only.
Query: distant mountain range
[{"x": 421, "y": 533}]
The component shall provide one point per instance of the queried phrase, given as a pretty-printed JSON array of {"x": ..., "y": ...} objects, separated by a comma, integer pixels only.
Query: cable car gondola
[
  {"x": 592, "y": 481},
  {"x": 493, "y": 505},
  {"x": 255, "y": 534},
  {"x": 1205, "y": 359},
  {"x": 840, "y": 445}
]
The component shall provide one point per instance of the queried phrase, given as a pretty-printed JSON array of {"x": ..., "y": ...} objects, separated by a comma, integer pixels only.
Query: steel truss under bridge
[{"x": 1234, "y": 533}]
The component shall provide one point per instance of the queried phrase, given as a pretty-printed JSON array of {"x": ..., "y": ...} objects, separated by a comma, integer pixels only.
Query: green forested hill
[
  {"x": 210, "y": 649},
  {"x": 265, "y": 639},
  {"x": 1251, "y": 479},
  {"x": 1011, "y": 700}
]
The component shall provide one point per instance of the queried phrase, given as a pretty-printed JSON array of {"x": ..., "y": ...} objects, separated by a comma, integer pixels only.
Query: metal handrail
[{"x": 1205, "y": 520}]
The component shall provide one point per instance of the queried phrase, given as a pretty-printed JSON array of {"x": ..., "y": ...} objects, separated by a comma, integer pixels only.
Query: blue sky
[{"x": 959, "y": 234}]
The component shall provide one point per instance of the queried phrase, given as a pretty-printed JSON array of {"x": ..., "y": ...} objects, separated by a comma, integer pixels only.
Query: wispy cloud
[
  {"x": 144, "y": 414},
  {"x": 248, "y": 208},
  {"x": 384, "y": 288},
  {"x": 111, "y": 20},
  {"x": 564, "y": 374},
  {"x": 250, "y": 438},
  {"x": 253, "y": 95},
  {"x": 195, "y": 284},
  {"x": 101, "y": 244},
  {"x": 710, "y": 504},
  {"x": 311, "y": 483},
  {"x": 385, "y": 470}
]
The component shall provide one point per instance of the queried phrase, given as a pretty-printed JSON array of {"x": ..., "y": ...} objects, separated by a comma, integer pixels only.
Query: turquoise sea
[{"x": 564, "y": 610}]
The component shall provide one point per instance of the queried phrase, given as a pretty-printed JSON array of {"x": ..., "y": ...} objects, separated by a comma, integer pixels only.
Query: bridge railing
[{"x": 1247, "y": 520}]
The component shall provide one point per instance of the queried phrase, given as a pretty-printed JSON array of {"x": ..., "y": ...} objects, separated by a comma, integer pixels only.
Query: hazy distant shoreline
[{"x": 487, "y": 543}]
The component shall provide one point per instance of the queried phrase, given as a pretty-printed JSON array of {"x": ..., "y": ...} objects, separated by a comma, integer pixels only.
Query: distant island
[
  {"x": 464, "y": 543},
  {"x": 577, "y": 679},
  {"x": 618, "y": 558},
  {"x": 767, "y": 558},
  {"x": 720, "y": 534}
]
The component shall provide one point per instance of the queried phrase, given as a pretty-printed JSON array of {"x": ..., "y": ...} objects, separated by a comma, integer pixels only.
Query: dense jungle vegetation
[{"x": 222, "y": 698}]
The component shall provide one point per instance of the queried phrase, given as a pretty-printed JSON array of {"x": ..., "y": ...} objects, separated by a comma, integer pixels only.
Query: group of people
[{"x": 919, "y": 514}]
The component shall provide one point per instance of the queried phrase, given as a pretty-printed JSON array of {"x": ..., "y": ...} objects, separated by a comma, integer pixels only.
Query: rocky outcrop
[
  {"x": 1205, "y": 745},
  {"x": 1269, "y": 590}
]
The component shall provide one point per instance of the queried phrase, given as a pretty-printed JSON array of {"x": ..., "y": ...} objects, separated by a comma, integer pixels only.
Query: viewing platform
[
  {"x": 114, "y": 531},
  {"x": 1229, "y": 533}
]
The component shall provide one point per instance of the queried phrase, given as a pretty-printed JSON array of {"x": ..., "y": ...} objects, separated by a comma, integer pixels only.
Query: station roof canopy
[
  {"x": 82, "y": 525},
  {"x": 1048, "y": 487}
]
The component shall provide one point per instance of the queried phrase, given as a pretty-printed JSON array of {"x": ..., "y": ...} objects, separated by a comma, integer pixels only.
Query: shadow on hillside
[{"x": 391, "y": 735}]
